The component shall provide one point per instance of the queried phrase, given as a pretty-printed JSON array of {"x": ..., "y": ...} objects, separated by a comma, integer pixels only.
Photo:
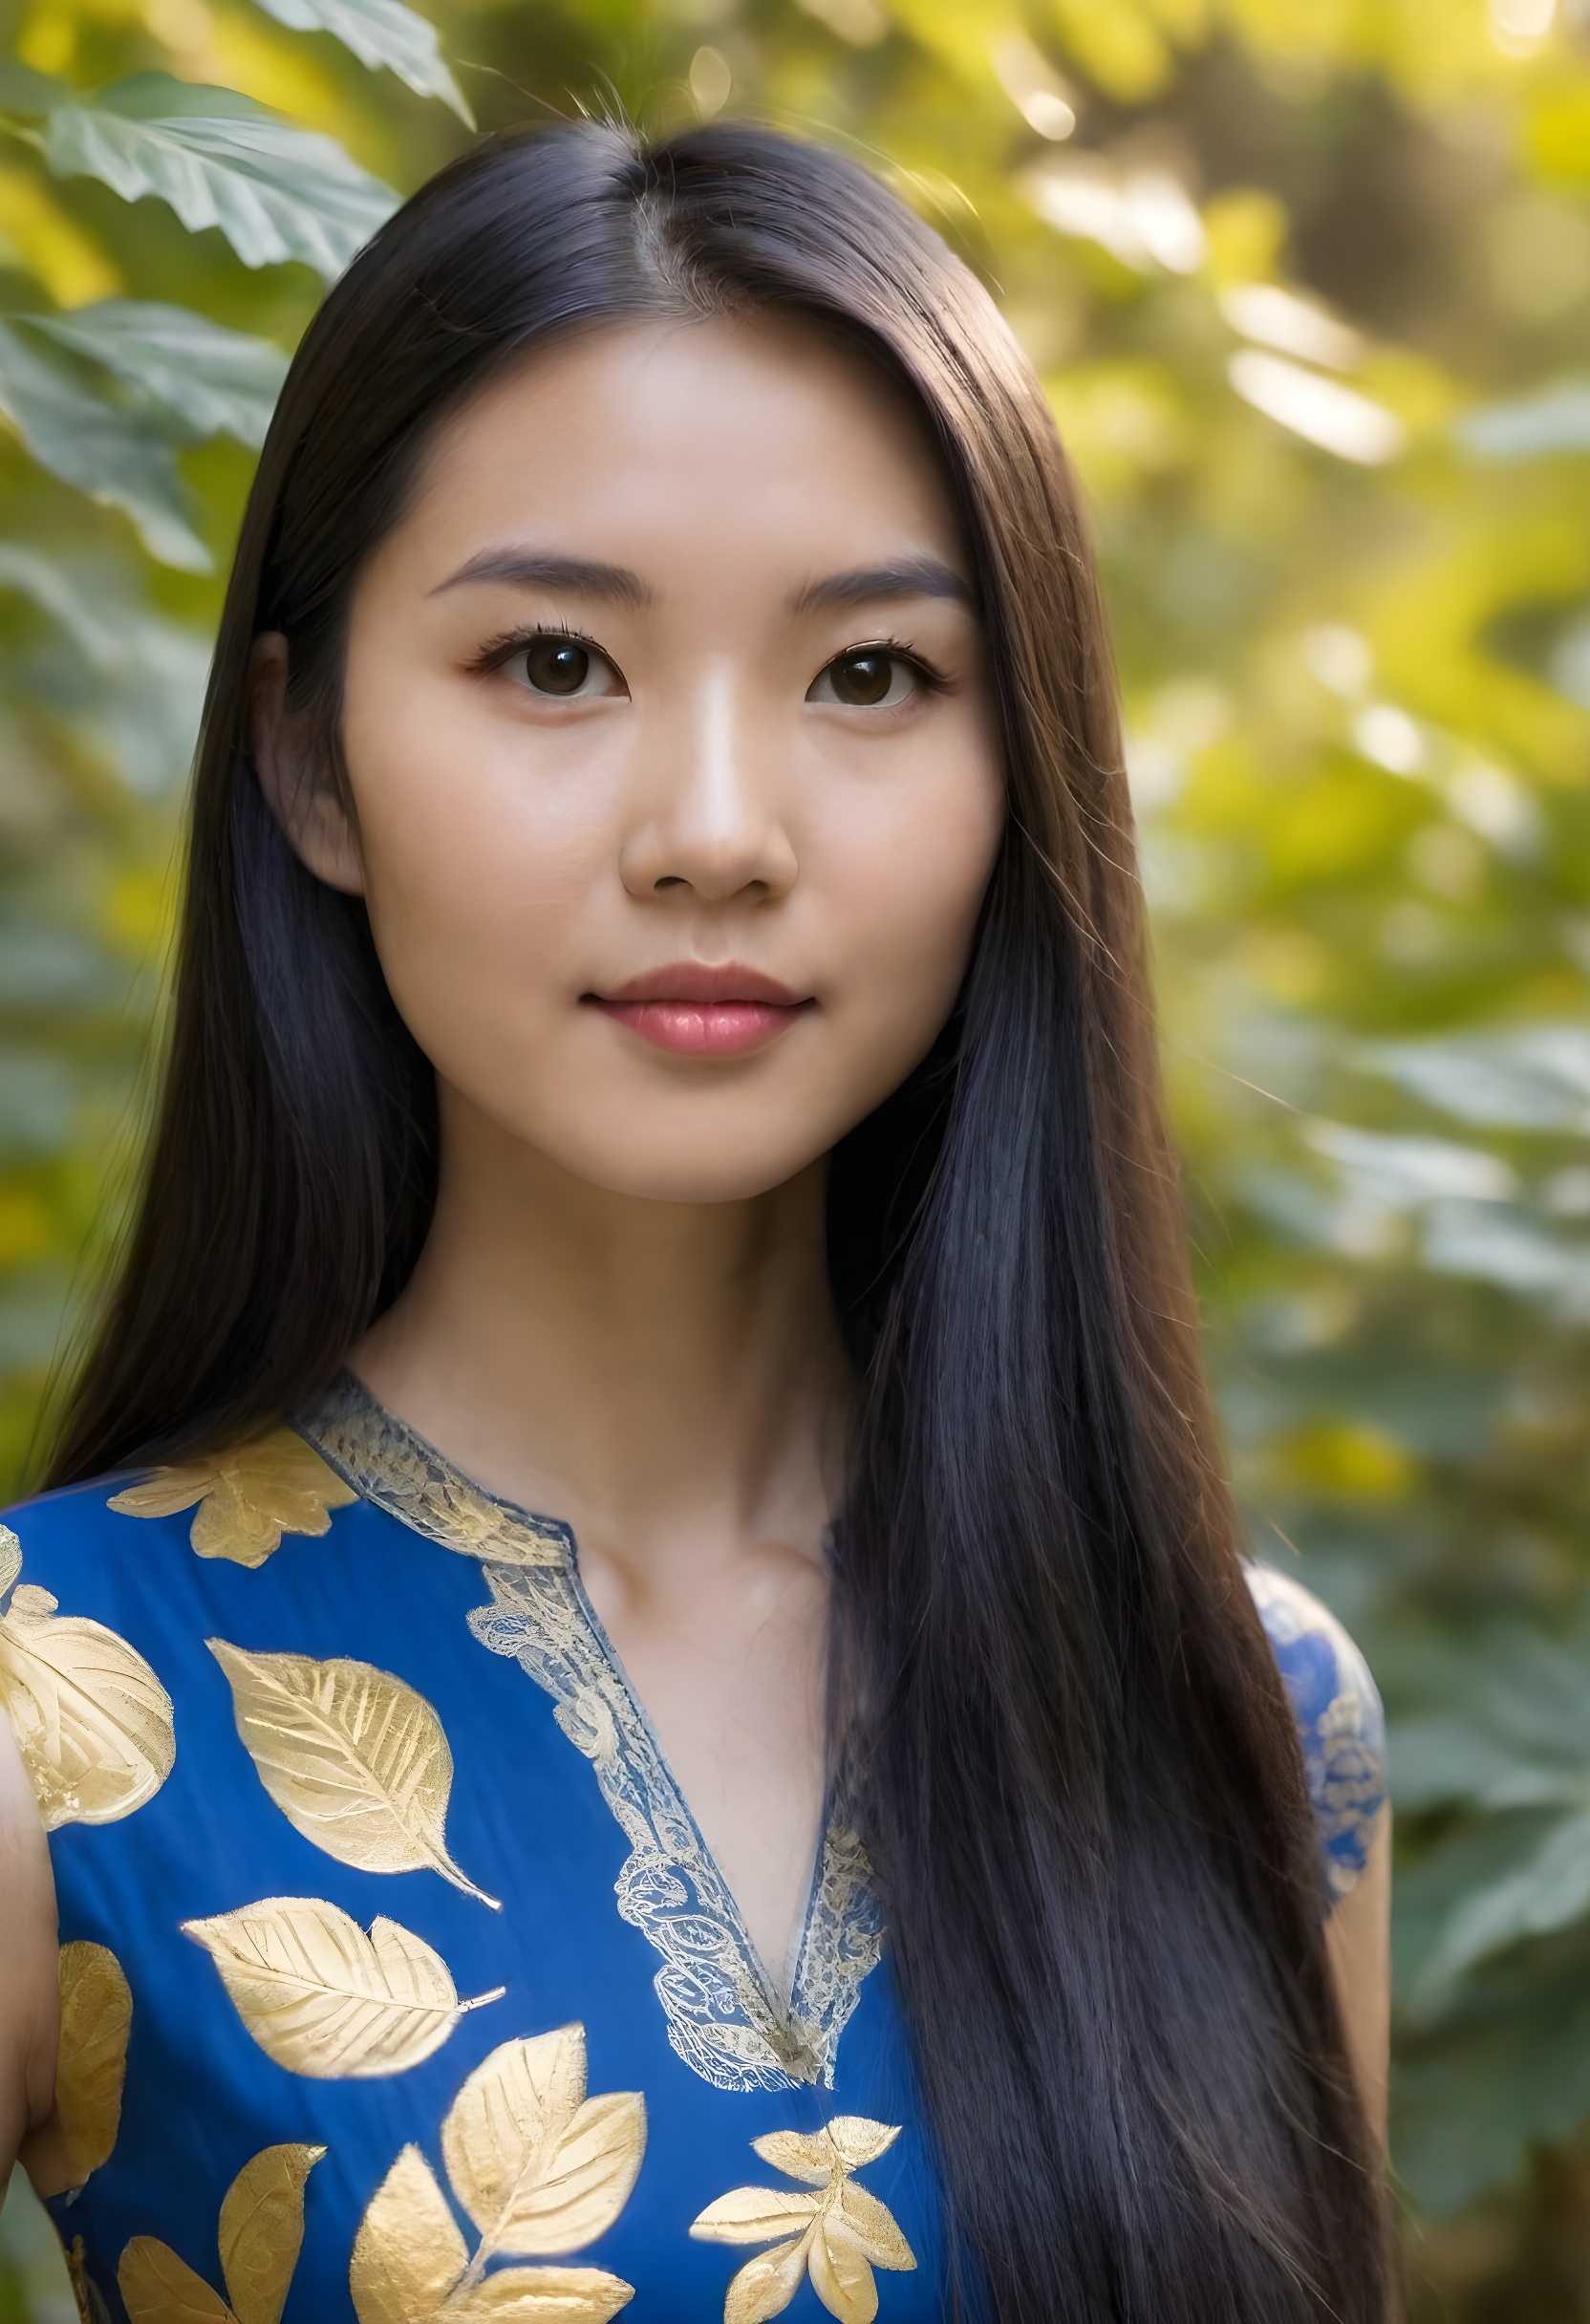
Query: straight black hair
[{"x": 1056, "y": 1716}]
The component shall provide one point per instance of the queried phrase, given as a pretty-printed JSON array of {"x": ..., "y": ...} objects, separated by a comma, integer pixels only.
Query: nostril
[{"x": 672, "y": 880}]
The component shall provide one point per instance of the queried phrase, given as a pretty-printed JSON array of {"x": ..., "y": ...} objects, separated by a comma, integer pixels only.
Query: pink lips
[{"x": 693, "y": 1010}]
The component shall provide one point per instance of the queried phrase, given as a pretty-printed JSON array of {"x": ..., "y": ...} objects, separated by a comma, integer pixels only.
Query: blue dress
[{"x": 398, "y": 1981}]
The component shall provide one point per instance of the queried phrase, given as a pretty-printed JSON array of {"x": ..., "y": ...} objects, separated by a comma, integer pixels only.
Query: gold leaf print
[
  {"x": 262, "y": 2227},
  {"x": 91, "y": 2301},
  {"x": 325, "y": 2000},
  {"x": 408, "y": 2253},
  {"x": 248, "y": 1497},
  {"x": 356, "y": 1760},
  {"x": 91, "y": 2066},
  {"x": 262, "y": 2230},
  {"x": 540, "y": 2167},
  {"x": 92, "y": 1721},
  {"x": 836, "y": 2238}
]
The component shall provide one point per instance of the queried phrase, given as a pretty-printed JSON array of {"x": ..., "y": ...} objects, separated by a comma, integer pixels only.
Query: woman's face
[{"x": 669, "y": 734}]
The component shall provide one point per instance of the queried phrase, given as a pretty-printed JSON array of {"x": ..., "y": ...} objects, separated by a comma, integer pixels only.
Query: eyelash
[
  {"x": 496, "y": 651},
  {"x": 502, "y": 649},
  {"x": 933, "y": 680}
]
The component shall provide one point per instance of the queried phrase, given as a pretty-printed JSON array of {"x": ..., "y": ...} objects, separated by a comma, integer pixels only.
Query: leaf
[
  {"x": 798, "y": 2154},
  {"x": 11, "y": 1559},
  {"x": 838, "y": 2234},
  {"x": 751, "y": 2214},
  {"x": 262, "y": 2230},
  {"x": 408, "y": 2253},
  {"x": 540, "y": 2168},
  {"x": 840, "y": 2276},
  {"x": 765, "y": 2285},
  {"x": 323, "y": 1999},
  {"x": 161, "y": 2289},
  {"x": 875, "y": 2227},
  {"x": 543, "y": 2295},
  {"x": 856, "y": 2140},
  {"x": 276, "y": 191},
  {"x": 248, "y": 1496},
  {"x": 92, "y": 2305},
  {"x": 92, "y": 1721},
  {"x": 380, "y": 32},
  {"x": 212, "y": 381},
  {"x": 356, "y": 1760},
  {"x": 119, "y": 457},
  {"x": 1546, "y": 1893},
  {"x": 96, "y": 2017}
]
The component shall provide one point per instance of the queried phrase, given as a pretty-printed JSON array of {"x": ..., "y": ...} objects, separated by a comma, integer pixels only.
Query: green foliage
[{"x": 1309, "y": 287}]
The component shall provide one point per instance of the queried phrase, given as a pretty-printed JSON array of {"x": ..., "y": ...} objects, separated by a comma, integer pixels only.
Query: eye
[
  {"x": 868, "y": 678},
  {"x": 555, "y": 664}
]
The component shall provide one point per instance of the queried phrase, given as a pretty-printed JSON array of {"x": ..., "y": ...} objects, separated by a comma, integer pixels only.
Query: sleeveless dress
[{"x": 397, "y": 1982}]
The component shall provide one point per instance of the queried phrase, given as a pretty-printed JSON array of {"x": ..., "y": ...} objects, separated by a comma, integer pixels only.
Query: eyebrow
[
  {"x": 878, "y": 584},
  {"x": 528, "y": 568}
]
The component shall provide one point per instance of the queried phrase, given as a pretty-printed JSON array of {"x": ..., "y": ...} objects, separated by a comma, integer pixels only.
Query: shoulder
[{"x": 1341, "y": 1723}]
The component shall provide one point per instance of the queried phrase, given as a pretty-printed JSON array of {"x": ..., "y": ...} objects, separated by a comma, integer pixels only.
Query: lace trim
[{"x": 726, "y": 2018}]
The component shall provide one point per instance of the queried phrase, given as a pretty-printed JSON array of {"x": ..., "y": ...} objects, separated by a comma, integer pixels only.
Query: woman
[{"x": 660, "y": 1040}]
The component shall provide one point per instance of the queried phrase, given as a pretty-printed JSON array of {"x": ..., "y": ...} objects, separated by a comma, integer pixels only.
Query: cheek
[
  {"x": 904, "y": 890},
  {"x": 473, "y": 874}
]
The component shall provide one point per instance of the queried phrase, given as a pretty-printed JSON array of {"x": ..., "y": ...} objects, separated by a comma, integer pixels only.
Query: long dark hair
[{"x": 1054, "y": 1711}]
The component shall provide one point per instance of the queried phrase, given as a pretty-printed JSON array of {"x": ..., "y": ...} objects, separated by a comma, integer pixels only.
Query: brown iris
[{"x": 863, "y": 677}]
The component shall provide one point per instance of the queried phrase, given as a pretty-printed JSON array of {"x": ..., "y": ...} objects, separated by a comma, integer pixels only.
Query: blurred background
[{"x": 1309, "y": 284}]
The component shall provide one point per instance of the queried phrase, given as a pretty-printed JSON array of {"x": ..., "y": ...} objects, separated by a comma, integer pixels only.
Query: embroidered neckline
[{"x": 726, "y": 2016}]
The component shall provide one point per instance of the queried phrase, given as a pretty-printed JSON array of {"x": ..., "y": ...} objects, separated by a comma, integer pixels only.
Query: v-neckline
[{"x": 729, "y": 2016}]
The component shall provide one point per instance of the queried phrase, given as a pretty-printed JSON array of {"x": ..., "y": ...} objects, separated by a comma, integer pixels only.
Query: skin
[{"x": 622, "y": 1314}]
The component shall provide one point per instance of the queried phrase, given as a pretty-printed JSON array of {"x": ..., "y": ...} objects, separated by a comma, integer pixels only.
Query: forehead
[{"x": 737, "y": 429}]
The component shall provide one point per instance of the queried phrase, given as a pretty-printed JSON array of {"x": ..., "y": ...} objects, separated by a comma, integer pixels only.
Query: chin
[{"x": 677, "y": 1170}]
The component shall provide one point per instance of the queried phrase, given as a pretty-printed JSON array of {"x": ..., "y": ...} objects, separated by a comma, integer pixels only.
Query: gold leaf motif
[
  {"x": 91, "y": 2066},
  {"x": 408, "y": 2253},
  {"x": 543, "y": 2295},
  {"x": 540, "y": 2167},
  {"x": 356, "y": 1760},
  {"x": 248, "y": 1497},
  {"x": 838, "y": 2237},
  {"x": 261, "y": 2231},
  {"x": 92, "y": 1721},
  {"x": 92, "y": 2307},
  {"x": 765, "y": 2285},
  {"x": 326, "y": 2001},
  {"x": 161, "y": 2289}
]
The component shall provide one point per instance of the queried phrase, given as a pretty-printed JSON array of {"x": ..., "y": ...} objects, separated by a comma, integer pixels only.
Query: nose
[{"x": 707, "y": 817}]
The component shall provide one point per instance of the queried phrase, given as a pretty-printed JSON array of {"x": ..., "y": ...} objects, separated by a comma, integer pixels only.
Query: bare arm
[
  {"x": 1358, "y": 1940},
  {"x": 29, "y": 1995}
]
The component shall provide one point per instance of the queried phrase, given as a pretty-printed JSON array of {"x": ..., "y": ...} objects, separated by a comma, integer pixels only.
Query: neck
[{"x": 658, "y": 1374}]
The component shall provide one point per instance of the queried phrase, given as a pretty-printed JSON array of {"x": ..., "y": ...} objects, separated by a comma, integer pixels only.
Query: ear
[{"x": 297, "y": 784}]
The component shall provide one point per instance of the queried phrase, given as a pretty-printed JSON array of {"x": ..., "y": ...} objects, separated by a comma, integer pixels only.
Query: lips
[{"x": 692, "y": 1009}]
